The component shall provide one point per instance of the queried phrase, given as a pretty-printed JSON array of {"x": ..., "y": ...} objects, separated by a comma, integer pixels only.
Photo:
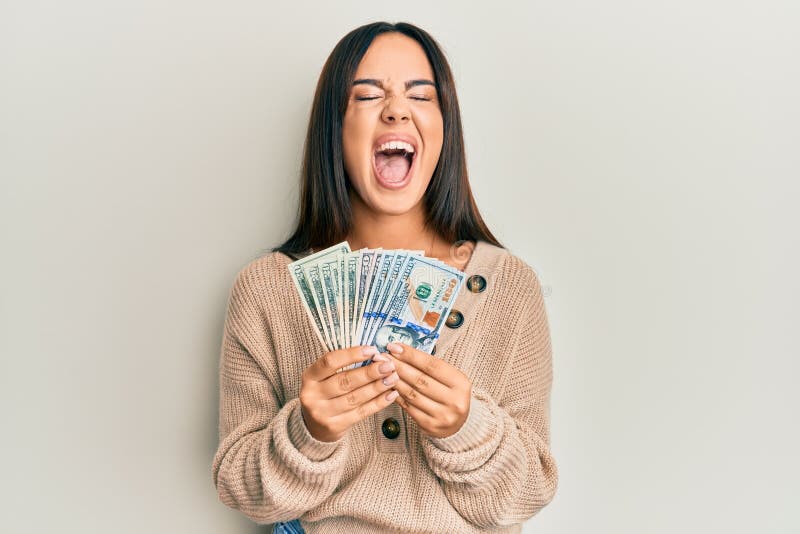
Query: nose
[{"x": 395, "y": 110}]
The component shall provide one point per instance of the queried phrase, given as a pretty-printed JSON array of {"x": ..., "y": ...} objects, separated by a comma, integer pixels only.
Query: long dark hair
[{"x": 324, "y": 216}]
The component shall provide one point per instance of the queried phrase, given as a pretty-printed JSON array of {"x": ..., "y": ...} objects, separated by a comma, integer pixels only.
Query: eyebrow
[{"x": 378, "y": 83}]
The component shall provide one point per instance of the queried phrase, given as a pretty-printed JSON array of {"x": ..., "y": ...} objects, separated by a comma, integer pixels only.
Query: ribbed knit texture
[{"x": 490, "y": 476}]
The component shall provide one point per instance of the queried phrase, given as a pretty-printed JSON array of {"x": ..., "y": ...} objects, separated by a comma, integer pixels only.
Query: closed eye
[{"x": 419, "y": 98}]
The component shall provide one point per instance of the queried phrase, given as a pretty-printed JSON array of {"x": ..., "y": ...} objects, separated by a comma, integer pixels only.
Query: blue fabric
[{"x": 291, "y": 527}]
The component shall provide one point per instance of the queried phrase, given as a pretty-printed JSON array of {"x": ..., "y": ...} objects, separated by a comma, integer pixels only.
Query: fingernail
[
  {"x": 380, "y": 357},
  {"x": 391, "y": 379},
  {"x": 369, "y": 350},
  {"x": 394, "y": 347},
  {"x": 392, "y": 395},
  {"x": 386, "y": 367}
]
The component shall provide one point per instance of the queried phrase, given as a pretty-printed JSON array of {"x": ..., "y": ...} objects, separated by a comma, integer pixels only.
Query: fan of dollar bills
[{"x": 376, "y": 296}]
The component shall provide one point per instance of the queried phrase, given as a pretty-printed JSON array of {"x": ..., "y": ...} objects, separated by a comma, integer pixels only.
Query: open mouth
[{"x": 393, "y": 165}]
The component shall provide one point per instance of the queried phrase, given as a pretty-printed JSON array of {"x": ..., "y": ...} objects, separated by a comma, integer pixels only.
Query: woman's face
[{"x": 393, "y": 94}]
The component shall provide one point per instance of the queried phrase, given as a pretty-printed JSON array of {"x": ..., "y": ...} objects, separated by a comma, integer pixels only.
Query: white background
[{"x": 641, "y": 156}]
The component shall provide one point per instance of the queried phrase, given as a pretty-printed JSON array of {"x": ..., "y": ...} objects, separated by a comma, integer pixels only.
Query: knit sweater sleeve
[
  {"x": 497, "y": 469},
  {"x": 267, "y": 465}
]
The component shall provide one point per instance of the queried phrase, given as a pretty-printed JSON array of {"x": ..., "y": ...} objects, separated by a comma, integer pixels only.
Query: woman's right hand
[{"x": 331, "y": 402}]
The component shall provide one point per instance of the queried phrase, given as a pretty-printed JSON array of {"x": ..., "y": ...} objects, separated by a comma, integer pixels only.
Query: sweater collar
[{"x": 485, "y": 261}]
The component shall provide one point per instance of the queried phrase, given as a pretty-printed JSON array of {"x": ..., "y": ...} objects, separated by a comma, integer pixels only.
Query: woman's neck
[{"x": 373, "y": 230}]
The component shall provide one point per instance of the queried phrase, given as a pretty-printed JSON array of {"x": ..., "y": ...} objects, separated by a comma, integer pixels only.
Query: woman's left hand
[{"x": 433, "y": 392}]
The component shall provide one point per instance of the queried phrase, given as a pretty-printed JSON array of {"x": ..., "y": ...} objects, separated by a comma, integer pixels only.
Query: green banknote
[{"x": 375, "y": 296}]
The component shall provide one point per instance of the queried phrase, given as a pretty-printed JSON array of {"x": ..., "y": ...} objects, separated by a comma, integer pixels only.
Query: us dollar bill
[
  {"x": 308, "y": 284},
  {"x": 420, "y": 305},
  {"x": 351, "y": 279},
  {"x": 365, "y": 279},
  {"x": 381, "y": 274},
  {"x": 329, "y": 269},
  {"x": 379, "y": 313}
]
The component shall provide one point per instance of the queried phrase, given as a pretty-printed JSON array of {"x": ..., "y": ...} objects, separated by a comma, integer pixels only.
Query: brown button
[
  {"x": 390, "y": 428},
  {"x": 476, "y": 283},
  {"x": 455, "y": 319}
]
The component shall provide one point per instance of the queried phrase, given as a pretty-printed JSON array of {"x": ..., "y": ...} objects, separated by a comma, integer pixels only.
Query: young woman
[{"x": 458, "y": 441}]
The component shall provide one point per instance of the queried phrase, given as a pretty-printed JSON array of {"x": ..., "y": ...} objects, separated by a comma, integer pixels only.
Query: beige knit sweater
[{"x": 490, "y": 476}]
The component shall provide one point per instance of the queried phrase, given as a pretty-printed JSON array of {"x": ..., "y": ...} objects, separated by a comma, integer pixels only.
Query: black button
[
  {"x": 390, "y": 428},
  {"x": 433, "y": 350},
  {"x": 455, "y": 319},
  {"x": 476, "y": 283}
]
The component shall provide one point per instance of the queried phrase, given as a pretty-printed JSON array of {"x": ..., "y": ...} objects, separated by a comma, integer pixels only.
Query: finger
[
  {"x": 357, "y": 397},
  {"x": 418, "y": 400},
  {"x": 423, "y": 419},
  {"x": 347, "y": 381},
  {"x": 432, "y": 366},
  {"x": 374, "y": 405},
  {"x": 425, "y": 384},
  {"x": 332, "y": 362}
]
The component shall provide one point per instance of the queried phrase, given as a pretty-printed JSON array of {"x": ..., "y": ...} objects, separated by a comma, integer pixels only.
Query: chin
[
  {"x": 393, "y": 207},
  {"x": 388, "y": 201}
]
